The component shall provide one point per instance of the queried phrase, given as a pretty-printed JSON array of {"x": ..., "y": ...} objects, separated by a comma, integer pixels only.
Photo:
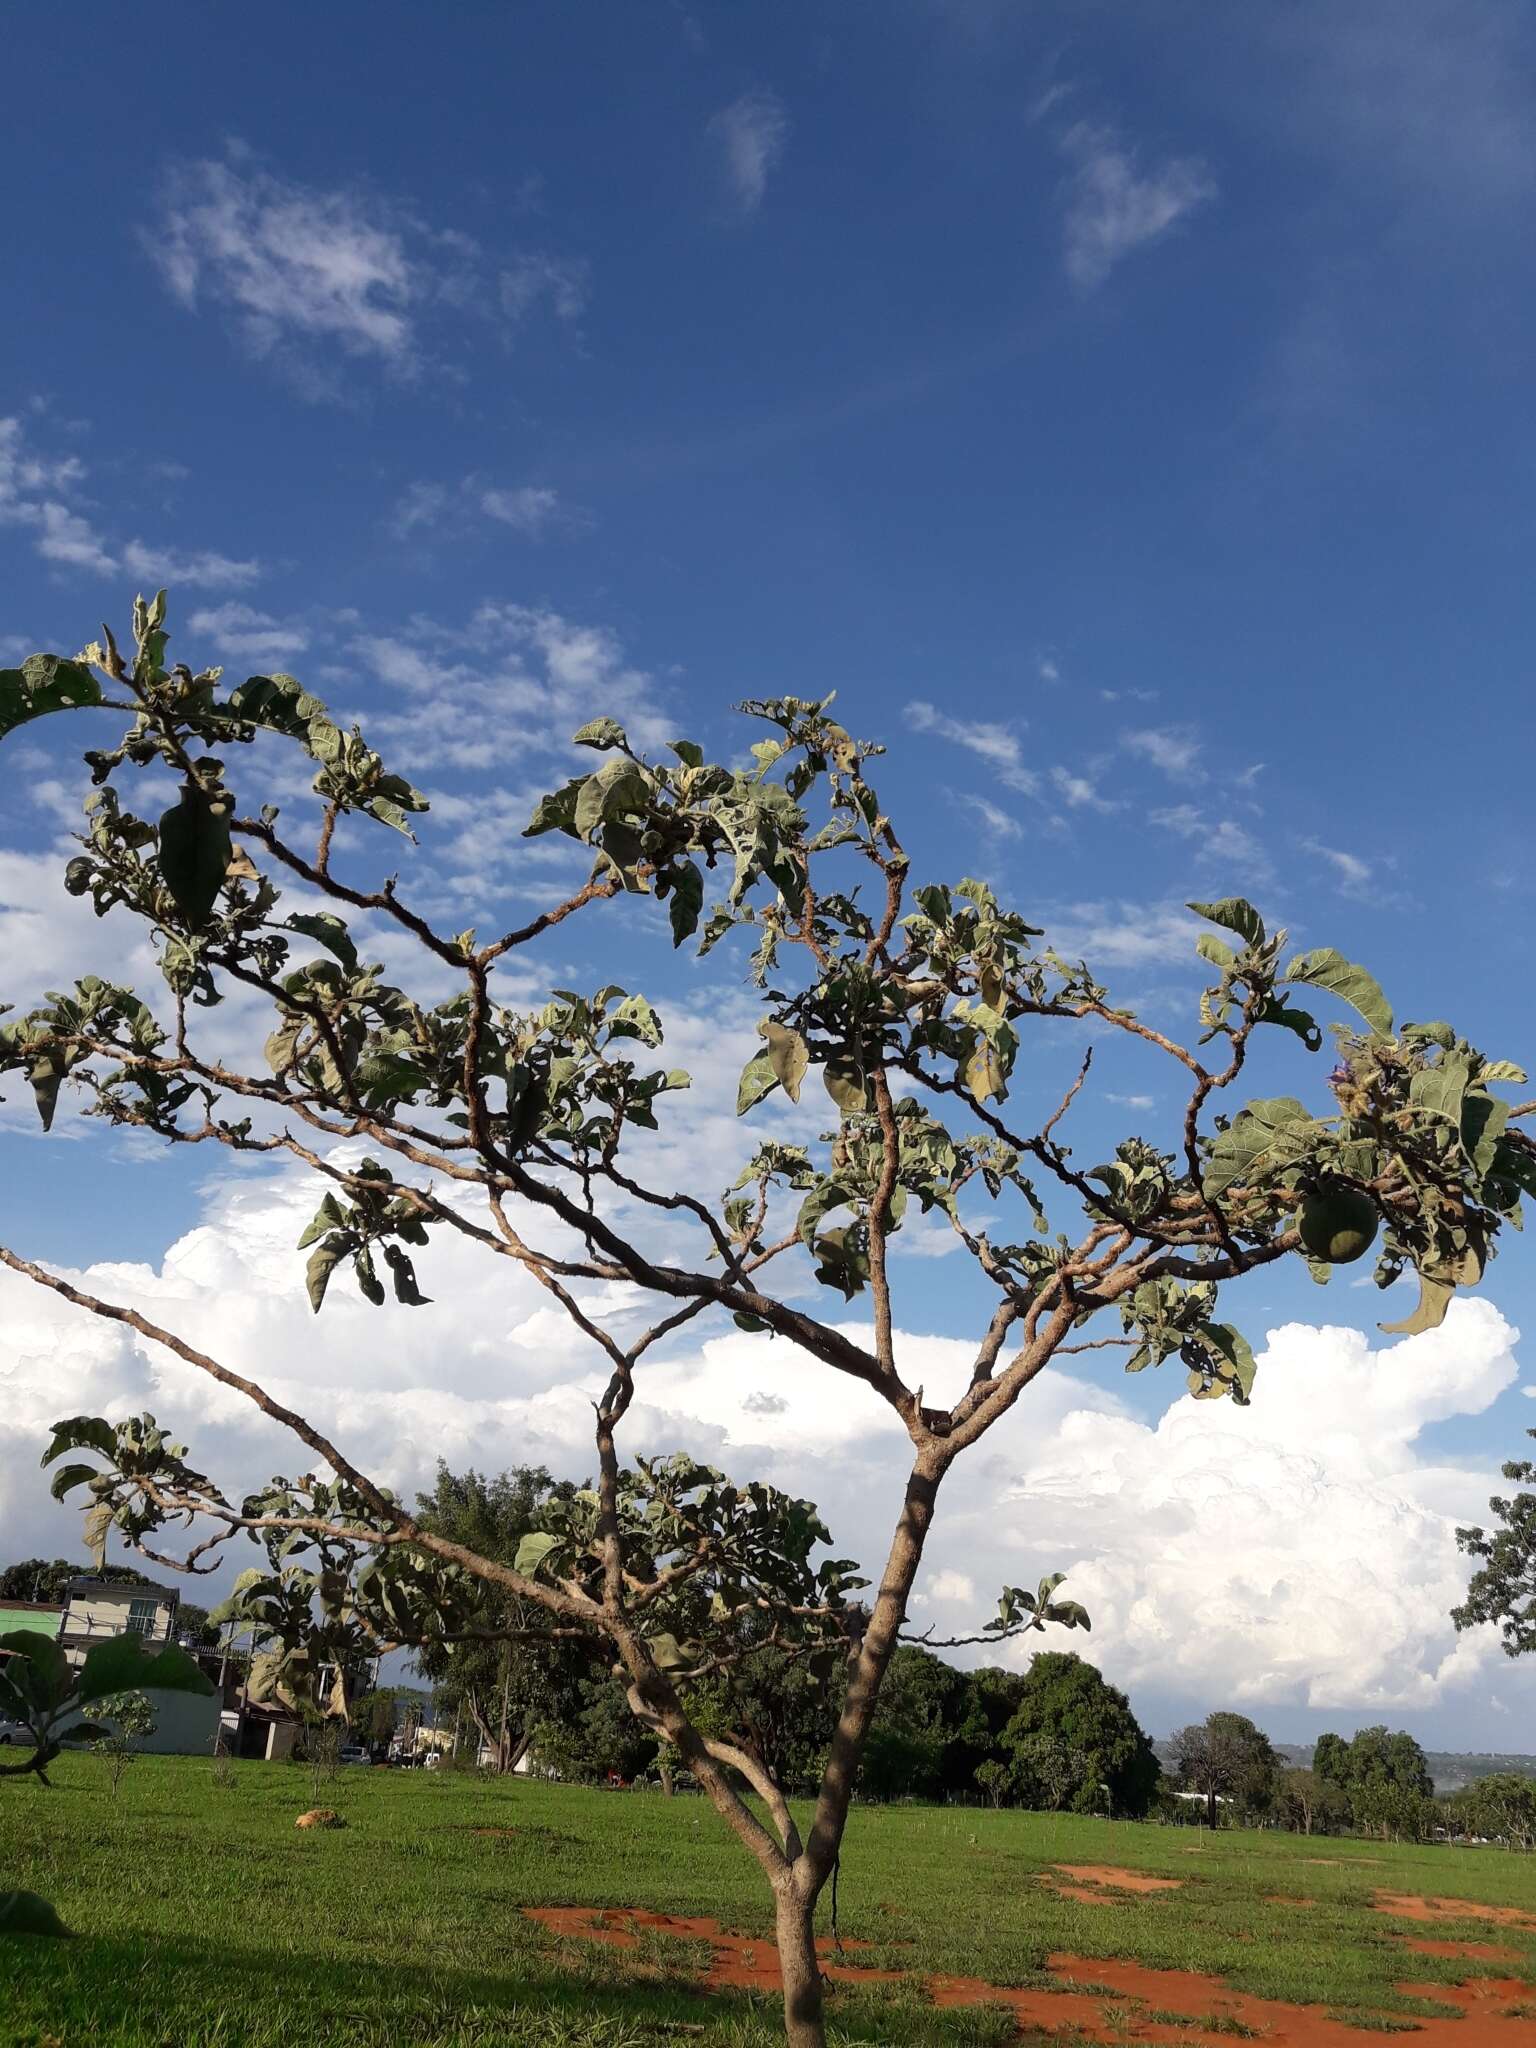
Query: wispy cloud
[
  {"x": 535, "y": 279},
  {"x": 1354, "y": 874},
  {"x": 32, "y": 496},
  {"x": 750, "y": 137},
  {"x": 1222, "y": 842},
  {"x": 1113, "y": 207},
  {"x": 1176, "y": 753},
  {"x": 437, "y": 510},
  {"x": 994, "y": 743},
  {"x": 992, "y": 816},
  {"x": 250, "y": 635},
  {"x": 292, "y": 261},
  {"x": 1079, "y": 793}
]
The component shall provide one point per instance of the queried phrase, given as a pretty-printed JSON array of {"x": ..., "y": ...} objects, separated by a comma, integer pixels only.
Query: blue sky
[{"x": 1128, "y": 417}]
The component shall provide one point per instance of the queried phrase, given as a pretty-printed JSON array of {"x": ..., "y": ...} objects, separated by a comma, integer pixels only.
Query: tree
[
  {"x": 524, "y": 1133},
  {"x": 993, "y": 1779},
  {"x": 1503, "y": 1588},
  {"x": 1501, "y": 1807},
  {"x": 1066, "y": 1699},
  {"x": 1226, "y": 1758},
  {"x": 1051, "y": 1774},
  {"x": 1383, "y": 1775},
  {"x": 1305, "y": 1800},
  {"x": 132, "y": 1718},
  {"x": 504, "y": 1678}
]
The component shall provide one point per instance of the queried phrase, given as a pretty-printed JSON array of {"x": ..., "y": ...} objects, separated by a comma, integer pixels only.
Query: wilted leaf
[
  {"x": 787, "y": 1055},
  {"x": 1434, "y": 1299}
]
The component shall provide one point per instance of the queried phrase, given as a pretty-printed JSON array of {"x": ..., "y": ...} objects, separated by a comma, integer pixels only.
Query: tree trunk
[{"x": 804, "y": 2020}]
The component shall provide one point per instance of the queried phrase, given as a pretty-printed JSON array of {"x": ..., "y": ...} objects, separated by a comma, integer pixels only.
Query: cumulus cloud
[
  {"x": 1114, "y": 207},
  {"x": 750, "y": 136},
  {"x": 1299, "y": 1551},
  {"x": 249, "y": 635},
  {"x": 1222, "y": 842}
]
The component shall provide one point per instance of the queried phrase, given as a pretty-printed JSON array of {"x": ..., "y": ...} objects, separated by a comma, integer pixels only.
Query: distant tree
[
  {"x": 1305, "y": 1800},
  {"x": 988, "y": 1700},
  {"x": 1067, "y": 1699},
  {"x": 1050, "y": 1774},
  {"x": 993, "y": 1779},
  {"x": 47, "y": 1580},
  {"x": 375, "y": 1715},
  {"x": 1227, "y": 1758},
  {"x": 132, "y": 1718},
  {"x": 1385, "y": 1778},
  {"x": 1503, "y": 1588},
  {"x": 498, "y": 1666},
  {"x": 1330, "y": 1759},
  {"x": 1500, "y": 1807},
  {"x": 921, "y": 1704},
  {"x": 595, "y": 1736}
]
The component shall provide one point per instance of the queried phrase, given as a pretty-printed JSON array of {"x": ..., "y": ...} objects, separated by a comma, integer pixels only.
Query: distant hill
[{"x": 1451, "y": 1769}]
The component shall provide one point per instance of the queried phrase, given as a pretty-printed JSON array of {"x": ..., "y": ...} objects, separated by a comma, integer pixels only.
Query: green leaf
[
  {"x": 1439, "y": 1090},
  {"x": 403, "y": 1273},
  {"x": 194, "y": 853},
  {"x": 81, "y": 1432},
  {"x": 330, "y": 933},
  {"x": 612, "y": 791},
  {"x": 1217, "y": 951},
  {"x": 757, "y": 1080},
  {"x": 1327, "y": 968},
  {"x": 120, "y": 1665},
  {"x": 1434, "y": 1299},
  {"x": 687, "y": 900},
  {"x": 329, "y": 1216},
  {"x": 37, "y": 1667},
  {"x": 601, "y": 733},
  {"x": 1265, "y": 1135},
  {"x": 1236, "y": 914},
  {"x": 532, "y": 1551},
  {"x": 70, "y": 1476},
  {"x": 788, "y": 1056},
  {"x": 666, "y": 1651},
  {"x": 43, "y": 683},
  {"x": 1237, "y": 1355}
]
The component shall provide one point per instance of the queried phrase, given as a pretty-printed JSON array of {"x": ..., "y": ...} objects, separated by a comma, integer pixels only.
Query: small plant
[
  {"x": 223, "y": 1772},
  {"x": 322, "y": 1749},
  {"x": 132, "y": 1718}
]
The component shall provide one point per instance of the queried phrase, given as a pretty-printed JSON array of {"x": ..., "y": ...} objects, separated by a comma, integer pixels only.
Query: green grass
[{"x": 207, "y": 1921}]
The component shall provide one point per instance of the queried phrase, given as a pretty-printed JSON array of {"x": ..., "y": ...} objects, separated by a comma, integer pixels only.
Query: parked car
[
  {"x": 354, "y": 1753},
  {"x": 14, "y": 1731}
]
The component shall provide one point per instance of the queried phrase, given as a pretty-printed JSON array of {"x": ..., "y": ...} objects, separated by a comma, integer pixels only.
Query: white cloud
[
  {"x": 535, "y": 278},
  {"x": 250, "y": 635},
  {"x": 291, "y": 261},
  {"x": 993, "y": 816},
  {"x": 1354, "y": 874},
  {"x": 1132, "y": 1101},
  {"x": 441, "y": 510},
  {"x": 529, "y": 510},
  {"x": 1114, "y": 208},
  {"x": 1176, "y": 753},
  {"x": 1298, "y": 1551},
  {"x": 750, "y": 136},
  {"x": 1079, "y": 793},
  {"x": 1222, "y": 841},
  {"x": 994, "y": 743},
  {"x": 1122, "y": 933},
  {"x": 30, "y": 484}
]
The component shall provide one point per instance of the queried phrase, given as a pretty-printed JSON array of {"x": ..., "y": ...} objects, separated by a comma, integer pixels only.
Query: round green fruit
[{"x": 1338, "y": 1225}]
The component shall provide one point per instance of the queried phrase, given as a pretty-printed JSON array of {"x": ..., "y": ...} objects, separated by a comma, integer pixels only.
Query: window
[{"x": 141, "y": 1617}]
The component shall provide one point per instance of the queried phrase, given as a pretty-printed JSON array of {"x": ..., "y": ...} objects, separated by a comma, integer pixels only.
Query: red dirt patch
[
  {"x": 743, "y": 1961},
  {"x": 1115, "y": 1879},
  {"x": 1409, "y": 1906},
  {"x": 1476, "y": 1951},
  {"x": 1081, "y": 1895}
]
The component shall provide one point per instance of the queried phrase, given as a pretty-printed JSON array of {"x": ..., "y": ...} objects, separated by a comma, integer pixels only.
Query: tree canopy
[
  {"x": 423, "y": 1098},
  {"x": 1067, "y": 1700},
  {"x": 1229, "y": 1760},
  {"x": 1503, "y": 1588}
]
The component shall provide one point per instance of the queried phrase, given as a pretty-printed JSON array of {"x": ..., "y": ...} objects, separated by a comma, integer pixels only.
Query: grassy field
[{"x": 207, "y": 1921}]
